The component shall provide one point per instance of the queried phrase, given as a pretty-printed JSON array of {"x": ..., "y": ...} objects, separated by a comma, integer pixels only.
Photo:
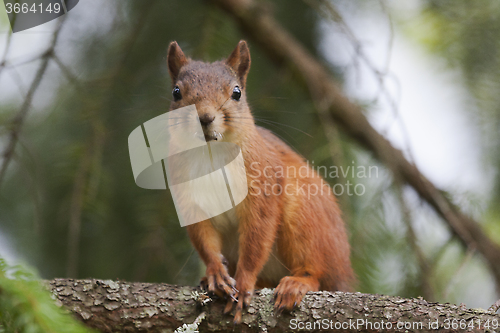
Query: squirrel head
[{"x": 216, "y": 89}]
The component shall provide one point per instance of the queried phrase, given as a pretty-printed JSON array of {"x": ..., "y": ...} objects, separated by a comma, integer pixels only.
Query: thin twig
[
  {"x": 457, "y": 274},
  {"x": 332, "y": 13},
  {"x": 423, "y": 263},
  {"x": 3, "y": 62},
  {"x": 18, "y": 121},
  {"x": 66, "y": 71}
]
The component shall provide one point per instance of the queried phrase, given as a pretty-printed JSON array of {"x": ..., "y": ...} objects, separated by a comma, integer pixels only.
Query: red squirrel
[{"x": 280, "y": 236}]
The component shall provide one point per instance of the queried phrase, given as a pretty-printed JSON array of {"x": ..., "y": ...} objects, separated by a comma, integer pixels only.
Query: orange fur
[{"x": 284, "y": 239}]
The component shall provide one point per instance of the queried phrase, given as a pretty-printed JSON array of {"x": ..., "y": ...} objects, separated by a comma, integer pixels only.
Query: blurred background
[{"x": 426, "y": 72}]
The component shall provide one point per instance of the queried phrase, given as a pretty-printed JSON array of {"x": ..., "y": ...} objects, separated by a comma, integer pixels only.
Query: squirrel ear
[
  {"x": 239, "y": 61},
  {"x": 175, "y": 60}
]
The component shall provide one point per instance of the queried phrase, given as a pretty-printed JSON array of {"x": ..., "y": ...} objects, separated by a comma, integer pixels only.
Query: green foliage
[{"x": 25, "y": 306}]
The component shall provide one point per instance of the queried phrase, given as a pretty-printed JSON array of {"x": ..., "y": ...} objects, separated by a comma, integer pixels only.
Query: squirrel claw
[
  {"x": 237, "y": 317},
  {"x": 229, "y": 307},
  {"x": 279, "y": 309}
]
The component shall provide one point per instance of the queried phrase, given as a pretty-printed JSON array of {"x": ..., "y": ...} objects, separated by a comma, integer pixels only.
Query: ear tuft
[
  {"x": 239, "y": 61},
  {"x": 175, "y": 60}
]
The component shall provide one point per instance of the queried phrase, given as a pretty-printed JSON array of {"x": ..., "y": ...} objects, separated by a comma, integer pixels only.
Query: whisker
[
  {"x": 288, "y": 134},
  {"x": 266, "y": 121},
  {"x": 248, "y": 117},
  {"x": 233, "y": 111},
  {"x": 238, "y": 124},
  {"x": 224, "y": 103},
  {"x": 276, "y": 111},
  {"x": 231, "y": 117}
]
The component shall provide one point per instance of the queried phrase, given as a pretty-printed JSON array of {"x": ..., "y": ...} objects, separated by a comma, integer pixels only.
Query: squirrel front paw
[
  {"x": 242, "y": 299},
  {"x": 218, "y": 281},
  {"x": 291, "y": 290}
]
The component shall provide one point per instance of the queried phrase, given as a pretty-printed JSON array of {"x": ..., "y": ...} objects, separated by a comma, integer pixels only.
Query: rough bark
[
  {"x": 256, "y": 20},
  {"x": 116, "y": 306}
]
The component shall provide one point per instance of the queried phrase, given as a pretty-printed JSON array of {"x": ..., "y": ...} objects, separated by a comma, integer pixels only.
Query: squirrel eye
[
  {"x": 236, "y": 93},
  {"x": 176, "y": 93}
]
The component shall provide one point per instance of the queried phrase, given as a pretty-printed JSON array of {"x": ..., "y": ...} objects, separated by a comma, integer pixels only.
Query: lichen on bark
[{"x": 117, "y": 306}]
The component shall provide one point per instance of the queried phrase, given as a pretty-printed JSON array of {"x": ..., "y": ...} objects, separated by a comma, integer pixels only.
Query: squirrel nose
[{"x": 206, "y": 119}]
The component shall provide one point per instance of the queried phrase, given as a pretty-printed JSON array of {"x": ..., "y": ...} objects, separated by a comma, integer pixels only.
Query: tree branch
[
  {"x": 285, "y": 51},
  {"x": 111, "y": 306}
]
